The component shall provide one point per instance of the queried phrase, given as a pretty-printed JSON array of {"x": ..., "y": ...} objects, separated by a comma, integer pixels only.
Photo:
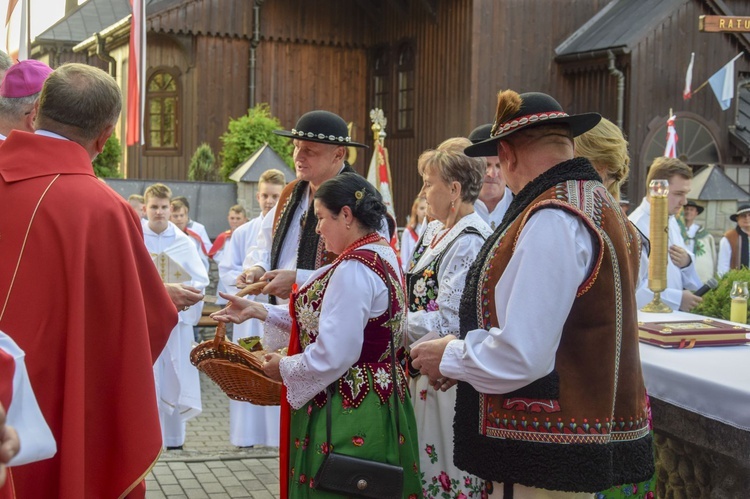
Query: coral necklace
[
  {"x": 436, "y": 240},
  {"x": 372, "y": 237}
]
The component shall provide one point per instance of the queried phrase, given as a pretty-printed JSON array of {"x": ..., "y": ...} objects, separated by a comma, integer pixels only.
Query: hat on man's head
[
  {"x": 695, "y": 205},
  {"x": 480, "y": 133},
  {"x": 24, "y": 79},
  {"x": 516, "y": 112},
  {"x": 321, "y": 126},
  {"x": 742, "y": 208}
]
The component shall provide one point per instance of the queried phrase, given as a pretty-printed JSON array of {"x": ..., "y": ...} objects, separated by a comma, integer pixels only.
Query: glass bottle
[{"x": 739, "y": 294}]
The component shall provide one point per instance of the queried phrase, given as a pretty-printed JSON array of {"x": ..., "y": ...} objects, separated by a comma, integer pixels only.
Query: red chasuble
[{"x": 91, "y": 313}]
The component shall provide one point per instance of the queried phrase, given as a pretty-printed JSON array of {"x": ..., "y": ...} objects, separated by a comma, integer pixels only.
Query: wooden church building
[{"x": 433, "y": 66}]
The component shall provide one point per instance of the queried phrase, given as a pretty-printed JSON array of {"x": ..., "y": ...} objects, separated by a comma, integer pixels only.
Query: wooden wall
[{"x": 659, "y": 62}]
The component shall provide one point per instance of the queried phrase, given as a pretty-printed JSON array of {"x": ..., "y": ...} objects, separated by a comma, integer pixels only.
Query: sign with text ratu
[{"x": 715, "y": 24}]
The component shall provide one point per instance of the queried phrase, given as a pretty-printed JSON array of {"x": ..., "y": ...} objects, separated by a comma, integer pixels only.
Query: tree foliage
[
  {"x": 107, "y": 163},
  {"x": 246, "y": 134},
  {"x": 717, "y": 302},
  {"x": 203, "y": 165}
]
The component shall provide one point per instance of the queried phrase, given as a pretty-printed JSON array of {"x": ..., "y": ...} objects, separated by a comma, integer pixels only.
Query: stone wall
[{"x": 697, "y": 457}]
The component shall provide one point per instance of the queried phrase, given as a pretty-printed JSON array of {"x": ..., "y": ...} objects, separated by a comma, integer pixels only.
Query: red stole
[{"x": 219, "y": 243}]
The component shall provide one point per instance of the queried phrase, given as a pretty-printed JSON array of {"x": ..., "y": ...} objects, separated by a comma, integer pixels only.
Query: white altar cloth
[{"x": 711, "y": 381}]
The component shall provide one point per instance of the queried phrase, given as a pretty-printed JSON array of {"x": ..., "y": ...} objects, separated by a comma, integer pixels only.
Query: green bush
[
  {"x": 716, "y": 303},
  {"x": 107, "y": 163},
  {"x": 246, "y": 134},
  {"x": 202, "y": 165}
]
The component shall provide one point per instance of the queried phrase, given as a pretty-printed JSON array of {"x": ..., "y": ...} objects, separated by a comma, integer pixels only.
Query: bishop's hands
[
  {"x": 426, "y": 357},
  {"x": 183, "y": 296},
  {"x": 239, "y": 310}
]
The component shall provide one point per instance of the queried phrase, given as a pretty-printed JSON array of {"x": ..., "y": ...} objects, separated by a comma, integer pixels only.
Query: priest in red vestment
[{"x": 79, "y": 293}]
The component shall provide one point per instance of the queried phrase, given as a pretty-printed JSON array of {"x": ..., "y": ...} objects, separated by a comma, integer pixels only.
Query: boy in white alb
[
  {"x": 177, "y": 259},
  {"x": 250, "y": 424}
]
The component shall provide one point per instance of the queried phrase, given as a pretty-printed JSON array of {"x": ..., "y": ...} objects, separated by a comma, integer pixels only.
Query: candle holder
[{"x": 659, "y": 235}]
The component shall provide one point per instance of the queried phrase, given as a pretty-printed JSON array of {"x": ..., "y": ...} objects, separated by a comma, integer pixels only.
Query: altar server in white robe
[
  {"x": 23, "y": 413},
  {"x": 177, "y": 259},
  {"x": 249, "y": 424}
]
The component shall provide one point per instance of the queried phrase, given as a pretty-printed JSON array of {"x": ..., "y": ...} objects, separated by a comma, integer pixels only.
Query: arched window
[
  {"x": 696, "y": 145},
  {"x": 405, "y": 83},
  {"x": 162, "y": 112}
]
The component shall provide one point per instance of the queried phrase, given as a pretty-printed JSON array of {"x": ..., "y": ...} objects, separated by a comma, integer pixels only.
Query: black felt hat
[
  {"x": 480, "y": 133},
  {"x": 536, "y": 109},
  {"x": 695, "y": 205},
  {"x": 321, "y": 126},
  {"x": 742, "y": 208}
]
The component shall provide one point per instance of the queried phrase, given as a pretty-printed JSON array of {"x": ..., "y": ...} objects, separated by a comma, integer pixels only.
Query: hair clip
[{"x": 360, "y": 195}]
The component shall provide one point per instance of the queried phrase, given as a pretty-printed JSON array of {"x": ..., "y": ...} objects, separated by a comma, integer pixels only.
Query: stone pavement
[{"x": 209, "y": 466}]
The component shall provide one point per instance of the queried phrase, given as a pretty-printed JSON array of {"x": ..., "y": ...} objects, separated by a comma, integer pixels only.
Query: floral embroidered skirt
[
  {"x": 434, "y": 411},
  {"x": 367, "y": 431}
]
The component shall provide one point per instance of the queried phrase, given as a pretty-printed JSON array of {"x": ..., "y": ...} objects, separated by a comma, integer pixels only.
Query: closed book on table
[{"x": 695, "y": 333}]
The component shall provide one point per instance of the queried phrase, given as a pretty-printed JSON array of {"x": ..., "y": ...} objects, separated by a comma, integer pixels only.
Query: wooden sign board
[{"x": 717, "y": 24}]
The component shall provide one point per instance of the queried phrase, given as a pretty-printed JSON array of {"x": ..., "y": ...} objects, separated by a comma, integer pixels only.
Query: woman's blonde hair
[
  {"x": 606, "y": 148},
  {"x": 413, "y": 222},
  {"x": 451, "y": 164}
]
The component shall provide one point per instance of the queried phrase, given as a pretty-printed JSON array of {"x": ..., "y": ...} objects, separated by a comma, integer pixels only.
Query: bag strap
[
  {"x": 23, "y": 245},
  {"x": 394, "y": 377}
]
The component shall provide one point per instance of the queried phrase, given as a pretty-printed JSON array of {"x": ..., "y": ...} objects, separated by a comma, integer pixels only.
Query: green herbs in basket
[{"x": 716, "y": 303}]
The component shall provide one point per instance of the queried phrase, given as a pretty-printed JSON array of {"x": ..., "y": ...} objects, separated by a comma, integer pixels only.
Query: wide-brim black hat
[
  {"x": 480, "y": 133},
  {"x": 536, "y": 109},
  {"x": 743, "y": 208},
  {"x": 695, "y": 205},
  {"x": 321, "y": 126}
]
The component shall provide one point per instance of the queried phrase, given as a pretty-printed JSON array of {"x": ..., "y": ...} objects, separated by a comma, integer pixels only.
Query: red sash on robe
[
  {"x": 197, "y": 237},
  {"x": 219, "y": 243}
]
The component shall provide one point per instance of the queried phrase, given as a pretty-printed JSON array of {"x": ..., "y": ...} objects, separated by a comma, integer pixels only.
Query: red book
[{"x": 695, "y": 333}]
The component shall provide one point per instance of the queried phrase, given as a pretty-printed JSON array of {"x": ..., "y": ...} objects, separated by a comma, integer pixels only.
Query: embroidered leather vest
[
  {"x": 583, "y": 427},
  {"x": 375, "y": 358}
]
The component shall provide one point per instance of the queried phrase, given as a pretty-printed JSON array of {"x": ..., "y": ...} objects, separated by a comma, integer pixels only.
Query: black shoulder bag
[{"x": 354, "y": 476}]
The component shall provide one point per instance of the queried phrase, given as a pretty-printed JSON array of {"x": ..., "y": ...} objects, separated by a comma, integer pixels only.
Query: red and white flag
[
  {"x": 688, "y": 91},
  {"x": 136, "y": 73},
  {"x": 671, "y": 150},
  {"x": 379, "y": 175},
  {"x": 11, "y": 7}
]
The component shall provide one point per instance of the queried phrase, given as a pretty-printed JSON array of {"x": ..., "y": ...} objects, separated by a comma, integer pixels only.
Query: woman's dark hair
[{"x": 353, "y": 190}]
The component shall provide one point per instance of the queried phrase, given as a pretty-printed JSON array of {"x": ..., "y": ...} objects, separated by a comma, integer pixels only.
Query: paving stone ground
[{"x": 209, "y": 466}]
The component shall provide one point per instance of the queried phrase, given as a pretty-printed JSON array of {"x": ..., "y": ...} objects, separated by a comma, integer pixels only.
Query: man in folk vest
[
  {"x": 289, "y": 249},
  {"x": 734, "y": 250},
  {"x": 495, "y": 196},
  {"x": 541, "y": 395}
]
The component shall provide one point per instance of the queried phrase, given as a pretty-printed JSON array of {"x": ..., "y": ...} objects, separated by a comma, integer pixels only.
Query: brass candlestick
[{"x": 659, "y": 235}]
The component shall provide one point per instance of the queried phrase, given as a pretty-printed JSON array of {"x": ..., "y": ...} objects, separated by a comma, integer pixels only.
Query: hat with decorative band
[
  {"x": 742, "y": 208},
  {"x": 516, "y": 112},
  {"x": 480, "y": 133},
  {"x": 695, "y": 205},
  {"x": 321, "y": 126}
]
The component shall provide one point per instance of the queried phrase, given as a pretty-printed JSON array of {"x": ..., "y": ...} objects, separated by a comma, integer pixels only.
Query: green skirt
[{"x": 367, "y": 432}]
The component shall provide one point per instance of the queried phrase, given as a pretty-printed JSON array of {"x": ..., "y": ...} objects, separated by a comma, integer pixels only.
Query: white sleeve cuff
[{"x": 451, "y": 365}]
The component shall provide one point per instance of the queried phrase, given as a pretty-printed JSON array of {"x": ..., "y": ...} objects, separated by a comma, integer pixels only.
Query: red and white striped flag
[
  {"x": 671, "y": 150},
  {"x": 379, "y": 175},
  {"x": 688, "y": 91},
  {"x": 136, "y": 73}
]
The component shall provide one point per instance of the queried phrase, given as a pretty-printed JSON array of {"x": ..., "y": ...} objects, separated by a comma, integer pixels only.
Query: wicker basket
[{"x": 237, "y": 371}]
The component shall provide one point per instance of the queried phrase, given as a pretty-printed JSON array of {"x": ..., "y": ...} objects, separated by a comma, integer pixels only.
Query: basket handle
[{"x": 221, "y": 333}]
